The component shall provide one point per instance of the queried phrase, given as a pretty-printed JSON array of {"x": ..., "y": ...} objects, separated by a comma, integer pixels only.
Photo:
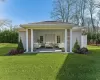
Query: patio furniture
[
  {"x": 61, "y": 45},
  {"x": 48, "y": 45},
  {"x": 37, "y": 45}
]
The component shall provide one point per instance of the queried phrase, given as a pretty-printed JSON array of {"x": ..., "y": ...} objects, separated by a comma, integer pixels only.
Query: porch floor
[{"x": 48, "y": 50}]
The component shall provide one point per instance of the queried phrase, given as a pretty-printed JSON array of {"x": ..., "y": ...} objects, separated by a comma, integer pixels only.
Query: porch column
[
  {"x": 32, "y": 40},
  {"x": 70, "y": 40},
  {"x": 26, "y": 40},
  {"x": 65, "y": 40}
]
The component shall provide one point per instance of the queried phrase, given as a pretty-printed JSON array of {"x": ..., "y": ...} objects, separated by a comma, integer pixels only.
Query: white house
[{"x": 51, "y": 34}]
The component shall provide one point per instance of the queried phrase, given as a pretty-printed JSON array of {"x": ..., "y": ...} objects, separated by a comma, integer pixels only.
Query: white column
[
  {"x": 65, "y": 40},
  {"x": 70, "y": 40},
  {"x": 26, "y": 40},
  {"x": 32, "y": 40}
]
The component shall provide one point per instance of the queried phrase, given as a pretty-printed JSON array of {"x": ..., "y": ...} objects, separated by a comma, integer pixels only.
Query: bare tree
[
  {"x": 61, "y": 10},
  {"x": 91, "y": 7},
  {"x": 69, "y": 4},
  {"x": 83, "y": 4},
  {"x": 76, "y": 11},
  {"x": 5, "y": 23}
]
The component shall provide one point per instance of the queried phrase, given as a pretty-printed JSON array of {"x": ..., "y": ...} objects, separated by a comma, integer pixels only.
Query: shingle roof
[{"x": 50, "y": 22}]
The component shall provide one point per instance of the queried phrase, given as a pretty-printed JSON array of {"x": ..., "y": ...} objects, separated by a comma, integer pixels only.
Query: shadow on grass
[
  {"x": 27, "y": 54},
  {"x": 78, "y": 67}
]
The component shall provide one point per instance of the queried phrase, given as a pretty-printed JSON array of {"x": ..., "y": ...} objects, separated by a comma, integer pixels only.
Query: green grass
[
  {"x": 50, "y": 66},
  {"x": 6, "y": 47}
]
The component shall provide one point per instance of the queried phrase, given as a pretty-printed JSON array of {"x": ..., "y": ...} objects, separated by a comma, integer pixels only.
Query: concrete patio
[{"x": 48, "y": 50}]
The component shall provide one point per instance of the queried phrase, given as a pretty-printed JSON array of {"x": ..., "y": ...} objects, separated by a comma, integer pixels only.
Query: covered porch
[{"x": 48, "y": 40}]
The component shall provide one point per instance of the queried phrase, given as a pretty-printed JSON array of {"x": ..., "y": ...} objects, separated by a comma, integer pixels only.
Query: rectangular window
[
  {"x": 41, "y": 39},
  {"x": 58, "y": 39}
]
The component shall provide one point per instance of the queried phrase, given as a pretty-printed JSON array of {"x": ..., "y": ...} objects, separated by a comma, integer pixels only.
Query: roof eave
[{"x": 47, "y": 25}]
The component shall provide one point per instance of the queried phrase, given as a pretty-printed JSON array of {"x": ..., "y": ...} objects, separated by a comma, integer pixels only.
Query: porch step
[{"x": 51, "y": 51}]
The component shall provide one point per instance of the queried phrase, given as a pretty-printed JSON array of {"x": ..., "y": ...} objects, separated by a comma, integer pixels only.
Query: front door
[{"x": 49, "y": 38}]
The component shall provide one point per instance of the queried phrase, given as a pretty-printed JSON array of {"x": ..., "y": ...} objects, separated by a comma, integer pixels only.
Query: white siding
[
  {"x": 83, "y": 41},
  {"x": 76, "y": 35},
  {"x": 22, "y": 35}
]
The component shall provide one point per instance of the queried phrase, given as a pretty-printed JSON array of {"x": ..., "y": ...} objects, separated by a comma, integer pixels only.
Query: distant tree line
[
  {"x": 8, "y": 36},
  {"x": 8, "y": 33},
  {"x": 93, "y": 38}
]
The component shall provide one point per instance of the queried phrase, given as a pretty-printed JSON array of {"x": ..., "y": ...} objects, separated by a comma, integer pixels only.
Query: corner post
[
  {"x": 70, "y": 40},
  {"x": 26, "y": 40},
  {"x": 32, "y": 40},
  {"x": 65, "y": 40}
]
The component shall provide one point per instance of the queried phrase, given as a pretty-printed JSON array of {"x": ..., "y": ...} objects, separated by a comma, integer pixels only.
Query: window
[
  {"x": 58, "y": 39},
  {"x": 41, "y": 39}
]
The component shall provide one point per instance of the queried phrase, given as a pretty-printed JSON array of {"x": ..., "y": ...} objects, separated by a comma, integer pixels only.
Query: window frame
[
  {"x": 58, "y": 39},
  {"x": 41, "y": 39}
]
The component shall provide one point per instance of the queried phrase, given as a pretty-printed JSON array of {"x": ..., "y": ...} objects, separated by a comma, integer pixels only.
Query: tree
[
  {"x": 20, "y": 45},
  {"x": 76, "y": 47},
  {"x": 83, "y": 4},
  {"x": 5, "y": 23},
  {"x": 75, "y": 15},
  {"x": 61, "y": 10},
  {"x": 91, "y": 6},
  {"x": 79, "y": 8},
  {"x": 69, "y": 4},
  {"x": 75, "y": 11}
]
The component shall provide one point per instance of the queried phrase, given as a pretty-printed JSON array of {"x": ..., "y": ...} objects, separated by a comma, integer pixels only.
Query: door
[{"x": 49, "y": 38}]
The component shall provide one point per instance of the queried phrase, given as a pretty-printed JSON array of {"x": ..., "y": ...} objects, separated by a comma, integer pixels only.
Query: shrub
[
  {"x": 13, "y": 52},
  {"x": 19, "y": 50},
  {"x": 20, "y": 47},
  {"x": 76, "y": 47},
  {"x": 83, "y": 50}
]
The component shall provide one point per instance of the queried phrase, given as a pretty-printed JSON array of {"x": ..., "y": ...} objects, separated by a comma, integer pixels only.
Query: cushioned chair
[
  {"x": 61, "y": 45},
  {"x": 37, "y": 45}
]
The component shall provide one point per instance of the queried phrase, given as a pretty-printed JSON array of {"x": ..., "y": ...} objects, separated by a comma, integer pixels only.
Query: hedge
[
  {"x": 8, "y": 36},
  {"x": 93, "y": 38}
]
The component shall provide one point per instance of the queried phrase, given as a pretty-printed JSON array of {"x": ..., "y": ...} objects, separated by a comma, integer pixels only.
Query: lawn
[{"x": 49, "y": 66}]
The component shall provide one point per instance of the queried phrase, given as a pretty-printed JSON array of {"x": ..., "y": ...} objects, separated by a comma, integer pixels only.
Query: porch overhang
[{"x": 47, "y": 26}]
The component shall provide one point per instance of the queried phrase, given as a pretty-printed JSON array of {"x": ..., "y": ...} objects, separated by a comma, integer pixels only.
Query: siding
[{"x": 76, "y": 35}]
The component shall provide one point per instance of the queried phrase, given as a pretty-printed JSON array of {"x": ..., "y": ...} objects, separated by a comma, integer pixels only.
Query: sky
[{"x": 26, "y": 11}]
